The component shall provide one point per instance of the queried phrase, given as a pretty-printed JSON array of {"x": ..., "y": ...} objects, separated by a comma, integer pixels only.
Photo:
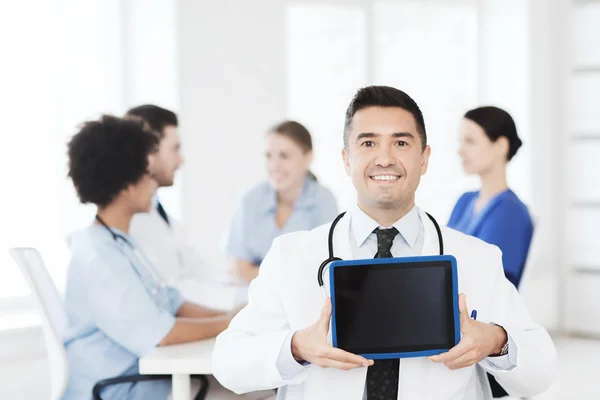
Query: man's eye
[
  {"x": 401, "y": 143},
  {"x": 368, "y": 143}
]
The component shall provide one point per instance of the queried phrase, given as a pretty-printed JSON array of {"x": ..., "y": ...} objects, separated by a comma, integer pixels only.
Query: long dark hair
[{"x": 299, "y": 134}]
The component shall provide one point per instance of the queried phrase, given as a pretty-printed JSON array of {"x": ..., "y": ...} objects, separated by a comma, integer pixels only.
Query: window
[
  {"x": 326, "y": 63},
  {"x": 427, "y": 48},
  {"x": 71, "y": 62}
]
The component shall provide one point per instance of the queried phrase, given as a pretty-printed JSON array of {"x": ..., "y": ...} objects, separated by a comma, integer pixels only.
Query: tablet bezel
[{"x": 401, "y": 260}]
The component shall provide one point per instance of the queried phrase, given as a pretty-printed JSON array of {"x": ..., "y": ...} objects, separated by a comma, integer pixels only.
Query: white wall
[
  {"x": 232, "y": 69},
  {"x": 522, "y": 53},
  {"x": 505, "y": 76},
  {"x": 548, "y": 32},
  {"x": 582, "y": 172}
]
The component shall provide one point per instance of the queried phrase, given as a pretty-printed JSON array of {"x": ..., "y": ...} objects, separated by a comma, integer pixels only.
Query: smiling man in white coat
[{"x": 282, "y": 339}]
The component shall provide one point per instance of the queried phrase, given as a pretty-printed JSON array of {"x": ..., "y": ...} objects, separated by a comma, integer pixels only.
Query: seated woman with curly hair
[{"x": 117, "y": 304}]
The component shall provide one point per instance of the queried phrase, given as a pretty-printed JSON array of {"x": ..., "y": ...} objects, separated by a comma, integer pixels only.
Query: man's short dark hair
[
  {"x": 157, "y": 117},
  {"x": 108, "y": 155},
  {"x": 384, "y": 96}
]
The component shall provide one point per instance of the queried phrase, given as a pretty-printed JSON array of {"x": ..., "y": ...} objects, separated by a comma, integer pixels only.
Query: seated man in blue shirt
[{"x": 118, "y": 305}]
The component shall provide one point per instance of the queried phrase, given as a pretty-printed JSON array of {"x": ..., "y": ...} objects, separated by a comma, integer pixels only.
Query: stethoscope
[
  {"x": 154, "y": 275},
  {"x": 331, "y": 257}
]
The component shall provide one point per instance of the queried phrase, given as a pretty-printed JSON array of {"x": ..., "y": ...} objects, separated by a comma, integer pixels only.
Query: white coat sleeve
[
  {"x": 536, "y": 356},
  {"x": 246, "y": 354}
]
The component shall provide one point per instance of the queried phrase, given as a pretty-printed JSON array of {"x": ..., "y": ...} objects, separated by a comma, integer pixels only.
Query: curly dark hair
[{"x": 108, "y": 155}]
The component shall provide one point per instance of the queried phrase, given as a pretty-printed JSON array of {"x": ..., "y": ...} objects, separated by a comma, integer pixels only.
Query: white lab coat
[
  {"x": 286, "y": 297},
  {"x": 168, "y": 249},
  {"x": 166, "y": 246}
]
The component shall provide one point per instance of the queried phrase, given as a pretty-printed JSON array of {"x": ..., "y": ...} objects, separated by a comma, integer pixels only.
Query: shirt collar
[
  {"x": 306, "y": 199},
  {"x": 362, "y": 225}
]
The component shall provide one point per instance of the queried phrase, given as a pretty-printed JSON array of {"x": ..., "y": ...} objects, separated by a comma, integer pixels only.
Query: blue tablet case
[{"x": 441, "y": 260}]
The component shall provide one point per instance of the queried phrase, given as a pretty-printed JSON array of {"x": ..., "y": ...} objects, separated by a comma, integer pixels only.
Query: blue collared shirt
[
  {"x": 117, "y": 312},
  {"x": 253, "y": 227},
  {"x": 504, "y": 222}
]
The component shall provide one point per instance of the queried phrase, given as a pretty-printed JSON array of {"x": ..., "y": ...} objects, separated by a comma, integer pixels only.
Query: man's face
[
  {"x": 168, "y": 158},
  {"x": 385, "y": 157}
]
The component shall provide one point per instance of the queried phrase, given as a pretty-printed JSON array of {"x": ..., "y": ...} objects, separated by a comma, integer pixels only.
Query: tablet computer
[{"x": 395, "y": 307}]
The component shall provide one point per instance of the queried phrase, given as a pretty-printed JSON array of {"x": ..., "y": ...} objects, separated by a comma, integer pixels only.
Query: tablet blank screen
[{"x": 393, "y": 308}]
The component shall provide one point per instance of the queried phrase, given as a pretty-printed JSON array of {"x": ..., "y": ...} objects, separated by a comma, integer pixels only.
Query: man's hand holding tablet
[
  {"x": 310, "y": 344},
  {"x": 479, "y": 340}
]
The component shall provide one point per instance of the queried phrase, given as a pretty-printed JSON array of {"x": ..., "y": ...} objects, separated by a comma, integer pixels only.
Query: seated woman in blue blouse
[
  {"x": 117, "y": 304},
  {"x": 494, "y": 213},
  {"x": 291, "y": 200}
]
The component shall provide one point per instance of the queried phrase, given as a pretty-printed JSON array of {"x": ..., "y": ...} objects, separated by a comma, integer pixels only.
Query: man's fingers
[
  {"x": 454, "y": 353},
  {"x": 463, "y": 361},
  {"x": 462, "y": 307},
  {"x": 340, "y": 365},
  {"x": 344, "y": 357},
  {"x": 323, "y": 322}
]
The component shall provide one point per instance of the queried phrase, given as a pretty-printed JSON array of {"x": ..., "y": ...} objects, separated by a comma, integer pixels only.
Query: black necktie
[
  {"x": 162, "y": 213},
  {"x": 382, "y": 377}
]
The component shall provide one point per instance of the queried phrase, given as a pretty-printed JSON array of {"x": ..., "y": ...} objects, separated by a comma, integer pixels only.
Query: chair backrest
[
  {"x": 52, "y": 313},
  {"x": 533, "y": 257}
]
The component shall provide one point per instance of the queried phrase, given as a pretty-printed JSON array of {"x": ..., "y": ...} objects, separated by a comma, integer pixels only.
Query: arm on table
[
  {"x": 193, "y": 310},
  {"x": 245, "y": 270},
  {"x": 191, "y": 329}
]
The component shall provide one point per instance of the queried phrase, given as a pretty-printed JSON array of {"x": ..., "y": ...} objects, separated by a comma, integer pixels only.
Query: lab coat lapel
[
  {"x": 344, "y": 385},
  {"x": 430, "y": 240}
]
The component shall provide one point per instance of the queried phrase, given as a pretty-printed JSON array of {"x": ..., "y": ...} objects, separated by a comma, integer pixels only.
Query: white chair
[
  {"x": 533, "y": 257},
  {"x": 537, "y": 280},
  {"x": 52, "y": 313},
  {"x": 54, "y": 323}
]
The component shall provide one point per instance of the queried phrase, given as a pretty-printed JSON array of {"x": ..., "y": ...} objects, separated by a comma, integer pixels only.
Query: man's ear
[
  {"x": 346, "y": 158},
  {"x": 425, "y": 159}
]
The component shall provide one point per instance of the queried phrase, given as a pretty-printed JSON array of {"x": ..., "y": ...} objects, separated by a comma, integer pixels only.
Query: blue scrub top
[
  {"x": 117, "y": 312},
  {"x": 504, "y": 222},
  {"x": 253, "y": 227}
]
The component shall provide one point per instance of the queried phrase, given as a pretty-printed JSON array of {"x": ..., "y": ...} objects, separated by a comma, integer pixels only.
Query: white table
[{"x": 180, "y": 361}]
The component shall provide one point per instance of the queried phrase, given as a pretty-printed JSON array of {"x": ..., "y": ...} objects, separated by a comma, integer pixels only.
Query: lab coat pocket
[{"x": 443, "y": 383}]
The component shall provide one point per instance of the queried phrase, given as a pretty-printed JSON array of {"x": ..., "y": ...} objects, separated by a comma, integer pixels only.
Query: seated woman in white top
[
  {"x": 291, "y": 200},
  {"x": 117, "y": 304}
]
